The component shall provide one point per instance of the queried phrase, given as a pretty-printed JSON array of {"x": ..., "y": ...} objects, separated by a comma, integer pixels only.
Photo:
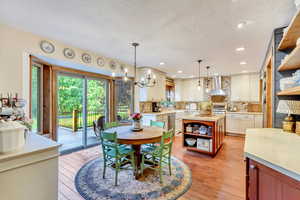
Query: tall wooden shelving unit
[{"x": 284, "y": 47}]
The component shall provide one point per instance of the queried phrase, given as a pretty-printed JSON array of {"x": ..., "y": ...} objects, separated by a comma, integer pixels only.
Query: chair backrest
[
  {"x": 166, "y": 142},
  {"x": 109, "y": 141},
  {"x": 99, "y": 123},
  {"x": 111, "y": 125},
  {"x": 157, "y": 124}
]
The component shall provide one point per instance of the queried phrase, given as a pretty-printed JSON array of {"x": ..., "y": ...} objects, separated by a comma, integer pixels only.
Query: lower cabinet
[
  {"x": 238, "y": 123},
  {"x": 264, "y": 183},
  {"x": 155, "y": 117}
]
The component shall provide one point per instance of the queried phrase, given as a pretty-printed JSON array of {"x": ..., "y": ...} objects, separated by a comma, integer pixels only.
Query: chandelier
[{"x": 148, "y": 80}]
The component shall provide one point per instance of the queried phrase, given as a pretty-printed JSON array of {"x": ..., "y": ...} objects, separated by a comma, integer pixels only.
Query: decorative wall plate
[
  {"x": 100, "y": 61},
  {"x": 113, "y": 65},
  {"x": 69, "y": 53},
  {"x": 86, "y": 58},
  {"x": 47, "y": 47}
]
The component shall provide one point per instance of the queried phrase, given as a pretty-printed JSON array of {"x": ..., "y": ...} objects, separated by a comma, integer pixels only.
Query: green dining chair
[
  {"x": 157, "y": 124},
  {"x": 160, "y": 155},
  {"x": 109, "y": 125},
  {"x": 114, "y": 154},
  {"x": 150, "y": 147}
]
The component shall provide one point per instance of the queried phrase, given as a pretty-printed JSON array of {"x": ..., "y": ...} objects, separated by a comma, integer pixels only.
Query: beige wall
[{"x": 15, "y": 48}]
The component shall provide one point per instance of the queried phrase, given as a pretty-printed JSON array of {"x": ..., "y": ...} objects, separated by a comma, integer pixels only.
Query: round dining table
[{"x": 136, "y": 139}]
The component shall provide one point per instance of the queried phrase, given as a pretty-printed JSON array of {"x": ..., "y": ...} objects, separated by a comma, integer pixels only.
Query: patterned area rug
[{"x": 91, "y": 186}]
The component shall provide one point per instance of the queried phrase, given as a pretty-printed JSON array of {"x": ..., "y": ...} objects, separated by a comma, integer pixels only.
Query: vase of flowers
[{"x": 136, "y": 118}]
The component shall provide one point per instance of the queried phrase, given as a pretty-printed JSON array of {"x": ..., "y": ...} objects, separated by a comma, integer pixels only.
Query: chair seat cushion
[{"x": 122, "y": 151}]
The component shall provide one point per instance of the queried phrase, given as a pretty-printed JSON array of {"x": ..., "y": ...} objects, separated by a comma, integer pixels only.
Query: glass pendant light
[
  {"x": 199, "y": 80},
  {"x": 207, "y": 79}
]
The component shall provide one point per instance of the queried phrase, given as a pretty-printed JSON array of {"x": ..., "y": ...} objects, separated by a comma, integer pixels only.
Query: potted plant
[{"x": 136, "y": 118}]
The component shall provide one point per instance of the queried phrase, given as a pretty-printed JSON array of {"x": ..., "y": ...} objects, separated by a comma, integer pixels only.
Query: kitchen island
[
  {"x": 203, "y": 134},
  {"x": 30, "y": 172},
  {"x": 272, "y": 164}
]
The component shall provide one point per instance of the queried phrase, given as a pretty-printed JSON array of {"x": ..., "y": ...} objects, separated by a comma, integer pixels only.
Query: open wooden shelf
[
  {"x": 198, "y": 150},
  {"x": 198, "y": 135},
  {"x": 289, "y": 39},
  {"x": 290, "y": 91},
  {"x": 292, "y": 62}
]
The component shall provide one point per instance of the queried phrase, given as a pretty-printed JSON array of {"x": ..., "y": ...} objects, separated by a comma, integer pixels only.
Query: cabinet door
[
  {"x": 258, "y": 122},
  {"x": 240, "y": 87},
  {"x": 254, "y": 87},
  {"x": 178, "y": 90},
  {"x": 264, "y": 183}
]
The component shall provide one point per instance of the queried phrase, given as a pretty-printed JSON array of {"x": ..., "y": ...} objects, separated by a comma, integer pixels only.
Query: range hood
[{"x": 217, "y": 87}]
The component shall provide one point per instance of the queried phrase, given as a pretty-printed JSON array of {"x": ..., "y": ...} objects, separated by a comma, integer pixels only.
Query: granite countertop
[
  {"x": 34, "y": 143},
  {"x": 203, "y": 118},
  {"x": 274, "y": 148}
]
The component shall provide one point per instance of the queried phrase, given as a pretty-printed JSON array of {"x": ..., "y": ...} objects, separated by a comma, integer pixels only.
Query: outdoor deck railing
[{"x": 74, "y": 120}]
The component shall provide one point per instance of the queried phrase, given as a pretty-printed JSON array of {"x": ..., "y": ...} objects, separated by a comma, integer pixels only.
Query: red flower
[{"x": 136, "y": 116}]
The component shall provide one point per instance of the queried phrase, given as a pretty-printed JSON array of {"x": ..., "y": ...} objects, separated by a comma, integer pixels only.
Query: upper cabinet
[
  {"x": 187, "y": 90},
  {"x": 157, "y": 92},
  {"x": 245, "y": 87}
]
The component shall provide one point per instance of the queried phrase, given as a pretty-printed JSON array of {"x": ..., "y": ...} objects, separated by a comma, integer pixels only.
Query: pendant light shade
[{"x": 199, "y": 80}]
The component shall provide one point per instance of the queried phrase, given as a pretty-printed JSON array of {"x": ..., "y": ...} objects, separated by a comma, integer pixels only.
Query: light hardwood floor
[{"x": 219, "y": 178}]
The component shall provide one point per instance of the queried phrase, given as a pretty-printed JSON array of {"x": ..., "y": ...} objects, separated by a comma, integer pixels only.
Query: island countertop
[
  {"x": 212, "y": 118},
  {"x": 34, "y": 143},
  {"x": 274, "y": 148}
]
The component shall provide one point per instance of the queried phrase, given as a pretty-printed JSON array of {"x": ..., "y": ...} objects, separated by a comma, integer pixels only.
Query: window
[
  {"x": 36, "y": 82},
  {"x": 124, "y": 99}
]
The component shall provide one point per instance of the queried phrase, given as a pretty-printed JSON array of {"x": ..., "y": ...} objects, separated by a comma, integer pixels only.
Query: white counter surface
[
  {"x": 203, "y": 118},
  {"x": 163, "y": 112},
  {"x": 34, "y": 143},
  {"x": 274, "y": 148},
  {"x": 245, "y": 112}
]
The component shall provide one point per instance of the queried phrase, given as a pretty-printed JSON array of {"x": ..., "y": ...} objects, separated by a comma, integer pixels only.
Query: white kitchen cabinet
[
  {"x": 245, "y": 87},
  {"x": 240, "y": 87},
  {"x": 178, "y": 121},
  {"x": 31, "y": 172},
  {"x": 254, "y": 87},
  {"x": 161, "y": 117},
  {"x": 258, "y": 121},
  {"x": 239, "y": 122},
  {"x": 187, "y": 90},
  {"x": 156, "y": 93}
]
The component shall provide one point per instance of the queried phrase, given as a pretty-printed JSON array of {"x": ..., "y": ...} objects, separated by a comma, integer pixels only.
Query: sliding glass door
[
  {"x": 81, "y": 101},
  {"x": 96, "y": 106},
  {"x": 70, "y": 102}
]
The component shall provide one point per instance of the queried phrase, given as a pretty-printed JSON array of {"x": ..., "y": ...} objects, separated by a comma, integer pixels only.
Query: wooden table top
[{"x": 147, "y": 135}]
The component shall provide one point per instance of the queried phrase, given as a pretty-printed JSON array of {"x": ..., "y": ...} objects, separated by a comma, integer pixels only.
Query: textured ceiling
[{"x": 175, "y": 32}]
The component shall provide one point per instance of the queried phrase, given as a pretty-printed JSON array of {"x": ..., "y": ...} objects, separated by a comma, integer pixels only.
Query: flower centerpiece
[{"x": 136, "y": 117}]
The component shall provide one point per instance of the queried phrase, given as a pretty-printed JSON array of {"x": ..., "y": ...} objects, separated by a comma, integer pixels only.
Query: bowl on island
[{"x": 190, "y": 141}]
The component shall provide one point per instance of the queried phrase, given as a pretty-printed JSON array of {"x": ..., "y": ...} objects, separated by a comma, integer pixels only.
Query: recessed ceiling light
[
  {"x": 179, "y": 72},
  {"x": 161, "y": 63},
  {"x": 241, "y": 25},
  {"x": 244, "y": 71},
  {"x": 240, "y": 49},
  {"x": 243, "y": 63}
]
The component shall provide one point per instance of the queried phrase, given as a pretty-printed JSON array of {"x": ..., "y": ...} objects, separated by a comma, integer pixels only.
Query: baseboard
[{"x": 235, "y": 134}]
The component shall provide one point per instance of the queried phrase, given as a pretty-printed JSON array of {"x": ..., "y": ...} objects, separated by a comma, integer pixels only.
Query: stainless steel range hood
[{"x": 217, "y": 87}]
